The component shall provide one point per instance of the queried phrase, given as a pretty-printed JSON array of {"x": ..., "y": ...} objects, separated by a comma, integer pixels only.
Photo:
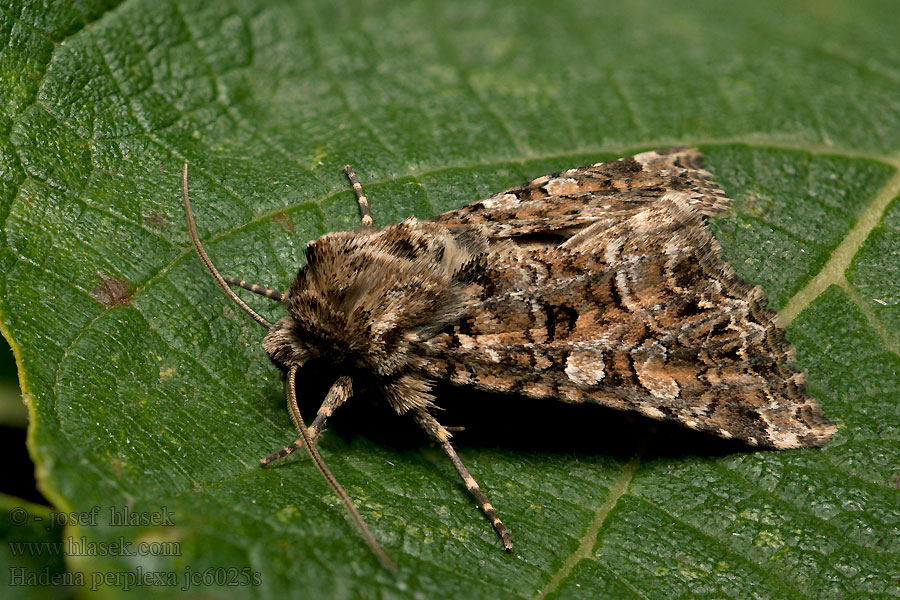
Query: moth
[{"x": 600, "y": 284}]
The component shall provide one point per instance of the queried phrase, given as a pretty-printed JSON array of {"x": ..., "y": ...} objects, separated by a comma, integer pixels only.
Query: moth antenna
[
  {"x": 256, "y": 289},
  {"x": 361, "y": 199},
  {"x": 326, "y": 472},
  {"x": 192, "y": 229}
]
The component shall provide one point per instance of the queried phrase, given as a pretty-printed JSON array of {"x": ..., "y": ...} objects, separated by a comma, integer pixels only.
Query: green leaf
[
  {"x": 31, "y": 557},
  {"x": 148, "y": 390}
]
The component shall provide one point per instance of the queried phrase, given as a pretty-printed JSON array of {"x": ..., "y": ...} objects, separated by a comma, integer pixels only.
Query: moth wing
[
  {"x": 557, "y": 206},
  {"x": 642, "y": 314}
]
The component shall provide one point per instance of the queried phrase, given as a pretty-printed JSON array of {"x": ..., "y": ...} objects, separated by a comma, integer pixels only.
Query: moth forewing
[{"x": 631, "y": 305}]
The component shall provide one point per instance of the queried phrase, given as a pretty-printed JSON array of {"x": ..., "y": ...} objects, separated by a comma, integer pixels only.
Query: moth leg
[
  {"x": 337, "y": 395},
  {"x": 367, "y": 222},
  {"x": 278, "y": 455},
  {"x": 439, "y": 433},
  {"x": 256, "y": 289}
]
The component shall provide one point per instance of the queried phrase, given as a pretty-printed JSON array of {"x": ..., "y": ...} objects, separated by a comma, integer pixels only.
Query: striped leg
[
  {"x": 278, "y": 455},
  {"x": 256, "y": 289},
  {"x": 360, "y": 198},
  {"x": 442, "y": 436},
  {"x": 337, "y": 395}
]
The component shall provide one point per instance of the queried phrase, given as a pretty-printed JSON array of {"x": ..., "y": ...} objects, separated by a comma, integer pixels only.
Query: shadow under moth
[{"x": 601, "y": 284}]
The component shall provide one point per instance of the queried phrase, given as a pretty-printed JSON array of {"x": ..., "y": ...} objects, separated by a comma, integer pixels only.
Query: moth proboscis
[{"x": 600, "y": 284}]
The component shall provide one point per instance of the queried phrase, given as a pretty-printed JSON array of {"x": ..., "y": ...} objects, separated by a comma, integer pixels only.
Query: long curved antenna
[
  {"x": 326, "y": 472},
  {"x": 192, "y": 228}
]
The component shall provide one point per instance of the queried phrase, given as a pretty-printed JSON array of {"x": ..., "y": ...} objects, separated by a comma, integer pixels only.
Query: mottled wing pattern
[
  {"x": 633, "y": 308},
  {"x": 564, "y": 203}
]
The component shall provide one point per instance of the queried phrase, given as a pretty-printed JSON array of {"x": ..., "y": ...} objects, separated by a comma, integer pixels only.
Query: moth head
[{"x": 284, "y": 346}]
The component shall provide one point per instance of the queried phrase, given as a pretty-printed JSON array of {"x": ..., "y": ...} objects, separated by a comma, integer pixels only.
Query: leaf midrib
[{"x": 586, "y": 544}]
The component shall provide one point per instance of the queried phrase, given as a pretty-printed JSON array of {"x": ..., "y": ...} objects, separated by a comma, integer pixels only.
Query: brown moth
[{"x": 601, "y": 284}]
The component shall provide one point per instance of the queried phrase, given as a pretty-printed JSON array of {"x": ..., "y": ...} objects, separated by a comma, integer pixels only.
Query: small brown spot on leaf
[
  {"x": 158, "y": 219},
  {"x": 112, "y": 292},
  {"x": 285, "y": 220}
]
